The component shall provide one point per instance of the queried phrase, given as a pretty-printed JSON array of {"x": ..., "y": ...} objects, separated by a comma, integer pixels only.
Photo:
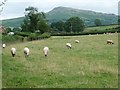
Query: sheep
[
  {"x": 76, "y": 41},
  {"x": 110, "y": 42},
  {"x": 11, "y": 33},
  {"x": 4, "y": 45},
  {"x": 26, "y": 51},
  {"x": 68, "y": 45},
  {"x": 45, "y": 51},
  {"x": 13, "y": 51}
]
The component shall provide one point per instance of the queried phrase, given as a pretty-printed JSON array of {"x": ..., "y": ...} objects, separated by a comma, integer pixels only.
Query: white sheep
[
  {"x": 26, "y": 51},
  {"x": 3, "y": 45},
  {"x": 110, "y": 42},
  {"x": 76, "y": 41},
  {"x": 45, "y": 51},
  {"x": 11, "y": 33},
  {"x": 68, "y": 45},
  {"x": 13, "y": 51}
]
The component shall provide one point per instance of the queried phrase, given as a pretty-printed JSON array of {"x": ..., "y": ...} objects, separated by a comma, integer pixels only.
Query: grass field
[
  {"x": 89, "y": 64},
  {"x": 100, "y": 28}
]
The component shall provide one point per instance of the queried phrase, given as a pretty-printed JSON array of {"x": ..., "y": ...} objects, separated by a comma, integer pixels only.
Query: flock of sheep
[
  {"x": 45, "y": 49},
  {"x": 13, "y": 51},
  {"x": 27, "y": 51}
]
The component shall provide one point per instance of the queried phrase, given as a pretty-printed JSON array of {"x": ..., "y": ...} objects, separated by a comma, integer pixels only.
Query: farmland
[{"x": 89, "y": 64}]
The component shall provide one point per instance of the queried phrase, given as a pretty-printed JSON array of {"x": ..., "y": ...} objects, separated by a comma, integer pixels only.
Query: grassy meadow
[
  {"x": 100, "y": 28},
  {"x": 91, "y": 63}
]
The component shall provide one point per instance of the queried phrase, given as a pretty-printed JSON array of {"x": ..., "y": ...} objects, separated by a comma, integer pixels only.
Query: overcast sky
[{"x": 16, "y": 8}]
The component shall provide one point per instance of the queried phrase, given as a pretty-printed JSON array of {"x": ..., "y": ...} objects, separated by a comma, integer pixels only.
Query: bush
[
  {"x": 24, "y": 34},
  {"x": 32, "y": 36},
  {"x": 20, "y": 38},
  {"x": 12, "y": 39},
  {"x": 45, "y": 35},
  {"x": 8, "y": 39}
]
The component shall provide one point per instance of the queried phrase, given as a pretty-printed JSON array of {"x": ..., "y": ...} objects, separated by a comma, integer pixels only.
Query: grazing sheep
[
  {"x": 110, "y": 42},
  {"x": 68, "y": 45},
  {"x": 45, "y": 51},
  {"x": 76, "y": 41},
  {"x": 13, "y": 51},
  {"x": 11, "y": 33},
  {"x": 4, "y": 45},
  {"x": 26, "y": 51}
]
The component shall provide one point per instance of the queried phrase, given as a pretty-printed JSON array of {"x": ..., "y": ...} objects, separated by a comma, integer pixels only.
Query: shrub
[
  {"x": 12, "y": 39},
  {"x": 45, "y": 35},
  {"x": 8, "y": 39},
  {"x": 32, "y": 36},
  {"x": 20, "y": 38},
  {"x": 24, "y": 34}
]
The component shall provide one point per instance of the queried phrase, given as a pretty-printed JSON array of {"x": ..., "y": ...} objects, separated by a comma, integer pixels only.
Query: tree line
[{"x": 36, "y": 22}]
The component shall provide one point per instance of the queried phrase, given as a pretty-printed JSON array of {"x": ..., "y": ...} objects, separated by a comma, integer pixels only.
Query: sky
[{"x": 16, "y": 8}]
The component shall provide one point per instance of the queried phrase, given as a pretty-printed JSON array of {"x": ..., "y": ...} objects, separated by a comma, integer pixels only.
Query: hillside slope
[
  {"x": 15, "y": 22},
  {"x": 64, "y": 13}
]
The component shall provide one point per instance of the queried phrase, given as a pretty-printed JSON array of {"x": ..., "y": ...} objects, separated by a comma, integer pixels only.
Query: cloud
[
  {"x": 108, "y": 6},
  {"x": 15, "y": 8}
]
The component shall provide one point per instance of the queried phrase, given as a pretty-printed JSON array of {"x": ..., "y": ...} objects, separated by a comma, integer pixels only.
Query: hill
[
  {"x": 64, "y": 13},
  {"x": 14, "y": 22}
]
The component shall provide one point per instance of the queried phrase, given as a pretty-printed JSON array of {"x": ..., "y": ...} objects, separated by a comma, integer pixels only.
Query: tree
[
  {"x": 32, "y": 20},
  {"x": 8, "y": 30},
  {"x": 97, "y": 22},
  {"x": 16, "y": 30},
  {"x": 74, "y": 24},
  {"x": 43, "y": 27},
  {"x": 58, "y": 25},
  {"x": 26, "y": 25}
]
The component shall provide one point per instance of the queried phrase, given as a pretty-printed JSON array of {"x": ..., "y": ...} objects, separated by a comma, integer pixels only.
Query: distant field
[
  {"x": 100, "y": 28},
  {"x": 89, "y": 64}
]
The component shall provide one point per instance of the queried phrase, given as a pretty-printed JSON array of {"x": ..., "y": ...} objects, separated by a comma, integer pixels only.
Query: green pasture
[{"x": 91, "y": 63}]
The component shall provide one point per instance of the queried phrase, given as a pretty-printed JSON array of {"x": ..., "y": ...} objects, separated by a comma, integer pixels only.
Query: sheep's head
[{"x": 45, "y": 55}]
